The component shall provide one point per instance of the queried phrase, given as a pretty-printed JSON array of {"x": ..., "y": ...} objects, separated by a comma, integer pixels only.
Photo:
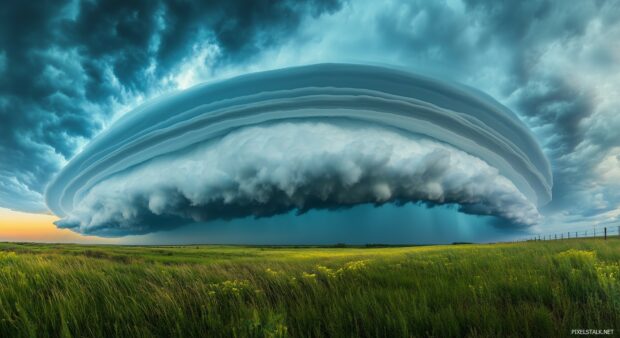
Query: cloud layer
[
  {"x": 489, "y": 165},
  {"x": 553, "y": 63},
  {"x": 68, "y": 68},
  {"x": 272, "y": 169}
]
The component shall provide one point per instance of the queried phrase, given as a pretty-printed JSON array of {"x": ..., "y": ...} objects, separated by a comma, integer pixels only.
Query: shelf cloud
[{"x": 325, "y": 136}]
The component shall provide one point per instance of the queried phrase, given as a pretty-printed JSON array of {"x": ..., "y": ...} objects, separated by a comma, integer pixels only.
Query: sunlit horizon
[{"x": 18, "y": 226}]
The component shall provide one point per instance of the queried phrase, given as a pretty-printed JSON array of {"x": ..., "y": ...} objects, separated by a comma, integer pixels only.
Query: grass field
[{"x": 492, "y": 290}]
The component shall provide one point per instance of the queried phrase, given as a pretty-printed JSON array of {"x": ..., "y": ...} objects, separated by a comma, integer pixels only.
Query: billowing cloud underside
[{"x": 322, "y": 136}]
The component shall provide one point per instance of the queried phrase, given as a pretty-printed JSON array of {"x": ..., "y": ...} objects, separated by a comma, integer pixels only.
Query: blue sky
[{"x": 68, "y": 70}]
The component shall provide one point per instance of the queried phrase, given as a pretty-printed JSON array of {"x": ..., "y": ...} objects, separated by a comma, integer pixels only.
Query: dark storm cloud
[
  {"x": 327, "y": 136},
  {"x": 67, "y": 67},
  {"x": 552, "y": 62}
]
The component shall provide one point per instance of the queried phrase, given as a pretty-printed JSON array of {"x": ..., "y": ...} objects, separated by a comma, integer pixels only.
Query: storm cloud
[
  {"x": 69, "y": 68},
  {"x": 554, "y": 64},
  {"x": 323, "y": 136}
]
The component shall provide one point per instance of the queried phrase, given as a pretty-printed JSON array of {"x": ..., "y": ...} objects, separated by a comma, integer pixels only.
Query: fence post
[
  {"x": 605, "y": 233},
  {"x": 569, "y": 234},
  {"x": 556, "y": 236},
  {"x": 576, "y": 234},
  {"x": 562, "y": 236}
]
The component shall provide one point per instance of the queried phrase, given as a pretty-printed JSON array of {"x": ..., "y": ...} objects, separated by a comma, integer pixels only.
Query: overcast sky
[{"x": 69, "y": 69}]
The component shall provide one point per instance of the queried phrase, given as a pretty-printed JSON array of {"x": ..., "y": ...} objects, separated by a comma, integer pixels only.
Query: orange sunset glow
[{"x": 24, "y": 227}]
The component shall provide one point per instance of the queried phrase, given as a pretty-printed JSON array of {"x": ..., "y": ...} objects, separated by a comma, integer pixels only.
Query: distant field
[{"x": 497, "y": 290}]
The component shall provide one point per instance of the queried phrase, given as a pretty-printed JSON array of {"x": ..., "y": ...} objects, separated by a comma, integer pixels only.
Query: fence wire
[{"x": 592, "y": 232}]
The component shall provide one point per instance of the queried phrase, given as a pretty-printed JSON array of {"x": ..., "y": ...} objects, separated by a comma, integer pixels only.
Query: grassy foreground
[{"x": 519, "y": 290}]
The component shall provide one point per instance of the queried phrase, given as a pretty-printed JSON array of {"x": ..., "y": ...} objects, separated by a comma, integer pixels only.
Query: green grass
[{"x": 519, "y": 290}]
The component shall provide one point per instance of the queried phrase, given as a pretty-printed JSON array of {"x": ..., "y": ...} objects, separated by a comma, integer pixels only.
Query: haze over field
[{"x": 323, "y": 122}]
